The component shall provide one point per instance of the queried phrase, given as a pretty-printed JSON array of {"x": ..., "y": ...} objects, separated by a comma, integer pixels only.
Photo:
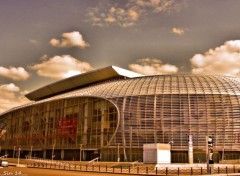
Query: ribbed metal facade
[{"x": 126, "y": 113}]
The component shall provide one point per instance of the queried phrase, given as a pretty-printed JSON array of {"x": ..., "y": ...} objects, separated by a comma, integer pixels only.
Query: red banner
[{"x": 67, "y": 126}]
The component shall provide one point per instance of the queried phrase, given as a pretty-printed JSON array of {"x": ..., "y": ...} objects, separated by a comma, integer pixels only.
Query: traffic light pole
[
  {"x": 207, "y": 155},
  {"x": 190, "y": 149},
  {"x": 209, "y": 152}
]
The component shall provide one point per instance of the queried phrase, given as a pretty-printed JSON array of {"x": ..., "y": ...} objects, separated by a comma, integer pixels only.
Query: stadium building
[{"x": 111, "y": 112}]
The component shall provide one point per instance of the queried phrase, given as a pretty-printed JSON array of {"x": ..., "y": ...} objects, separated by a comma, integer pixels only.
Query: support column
[{"x": 123, "y": 130}]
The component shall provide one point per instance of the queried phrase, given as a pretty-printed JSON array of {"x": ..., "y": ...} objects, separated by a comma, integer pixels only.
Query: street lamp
[
  {"x": 31, "y": 152},
  {"x": 171, "y": 143},
  {"x": 19, "y": 148},
  {"x": 53, "y": 151},
  {"x": 14, "y": 148},
  {"x": 80, "y": 155},
  {"x": 118, "y": 153}
]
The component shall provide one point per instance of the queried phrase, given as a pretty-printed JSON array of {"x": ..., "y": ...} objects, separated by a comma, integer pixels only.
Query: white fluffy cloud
[
  {"x": 152, "y": 66},
  {"x": 69, "y": 40},
  {"x": 16, "y": 74},
  {"x": 223, "y": 60},
  {"x": 128, "y": 14},
  {"x": 59, "y": 67},
  {"x": 11, "y": 96},
  {"x": 178, "y": 31}
]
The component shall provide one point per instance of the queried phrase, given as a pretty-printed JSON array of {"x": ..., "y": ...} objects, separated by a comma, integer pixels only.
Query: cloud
[
  {"x": 152, "y": 66},
  {"x": 126, "y": 15},
  {"x": 16, "y": 74},
  {"x": 156, "y": 5},
  {"x": 33, "y": 41},
  {"x": 69, "y": 40},
  {"x": 223, "y": 60},
  {"x": 113, "y": 16},
  {"x": 178, "y": 31},
  {"x": 59, "y": 67},
  {"x": 11, "y": 96}
]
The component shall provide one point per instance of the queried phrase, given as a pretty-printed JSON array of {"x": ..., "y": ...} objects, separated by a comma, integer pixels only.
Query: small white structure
[{"x": 157, "y": 153}]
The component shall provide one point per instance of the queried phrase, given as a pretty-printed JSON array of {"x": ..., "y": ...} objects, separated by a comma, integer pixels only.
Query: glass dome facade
[{"x": 124, "y": 114}]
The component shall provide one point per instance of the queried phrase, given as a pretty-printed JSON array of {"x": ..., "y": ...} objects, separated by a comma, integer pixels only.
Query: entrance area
[{"x": 90, "y": 155}]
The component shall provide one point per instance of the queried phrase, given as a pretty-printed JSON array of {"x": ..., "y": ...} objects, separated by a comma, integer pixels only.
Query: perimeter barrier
[{"x": 140, "y": 169}]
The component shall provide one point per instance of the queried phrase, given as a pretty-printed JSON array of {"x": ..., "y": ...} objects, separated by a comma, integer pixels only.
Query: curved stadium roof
[
  {"x": 113, "y": 82},
  {"x": 81, "y": 80},
  {"x": 160, "y": 84}
]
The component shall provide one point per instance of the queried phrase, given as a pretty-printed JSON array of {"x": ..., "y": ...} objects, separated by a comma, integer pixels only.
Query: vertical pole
[
  {"x": 14, "y": 148},
  {"x": 118, "y": 153},
  {"x": 31, "y": 152},
  {"x": 53, "y": 151},
  {"x": 223, "y": 153},
  {"x": 19, "y": 154},
  {"x": 190, "y": 149},
  {"x": 207, "y": 155},
  {"x": 80, "y": 155}
]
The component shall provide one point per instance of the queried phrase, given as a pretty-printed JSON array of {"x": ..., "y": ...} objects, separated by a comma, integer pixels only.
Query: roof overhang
[{"x": 81, "y": 80}]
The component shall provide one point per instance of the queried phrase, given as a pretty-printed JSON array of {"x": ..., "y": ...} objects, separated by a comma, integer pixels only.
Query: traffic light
[
  {"x": 210, "y": 149},
  {"x": 210, "y": 142}
]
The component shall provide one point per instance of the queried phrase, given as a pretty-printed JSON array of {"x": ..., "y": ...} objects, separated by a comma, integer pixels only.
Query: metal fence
[{"x": 146, "y": 170}]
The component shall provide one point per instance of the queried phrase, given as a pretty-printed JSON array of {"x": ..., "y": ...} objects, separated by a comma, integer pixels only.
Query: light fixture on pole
[
  {"x": 31, "y": 152},
  {"x": 53, "y": 146},
  {"x": 118, "y": 153},
  {"x": 80, "y": 155},
  {"x": 171, "y": 143},
  {"x": 19, "y": 148},
  {"x": 14, "y": 148}
]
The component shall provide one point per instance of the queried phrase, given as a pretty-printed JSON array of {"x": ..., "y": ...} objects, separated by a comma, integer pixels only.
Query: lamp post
[
  {"x": 19, "y": 148},
  {"x": 171, "y": 143},
  {"x": 31, "y": 152},
  {"x": 14, "y": 148},
  {"x": 118, "y": 153},
  {"x": 223, "y": 153},
  {"x": 80, "y": 154},
  {"x": 53, "y": 146}
]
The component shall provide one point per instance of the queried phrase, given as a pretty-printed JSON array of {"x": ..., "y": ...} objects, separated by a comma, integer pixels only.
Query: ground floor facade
[{"x": 112, "y": 155}]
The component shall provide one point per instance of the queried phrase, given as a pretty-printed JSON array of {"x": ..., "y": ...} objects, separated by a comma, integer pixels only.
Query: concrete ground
[{"x": 23, "y": 171}]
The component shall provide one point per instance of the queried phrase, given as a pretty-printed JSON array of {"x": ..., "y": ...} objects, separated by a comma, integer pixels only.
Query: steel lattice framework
[{"x": 120, "y": 115}]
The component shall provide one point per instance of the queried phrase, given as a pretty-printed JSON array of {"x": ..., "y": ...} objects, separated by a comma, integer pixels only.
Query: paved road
[{"x": 17, "y": 171}]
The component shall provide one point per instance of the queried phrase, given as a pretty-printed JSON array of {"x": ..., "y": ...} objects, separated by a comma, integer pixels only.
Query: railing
[
  {"x": 147, "y": 170},
  {"x": 134, "y": 163},
  {"x": 95, "y": 159}
]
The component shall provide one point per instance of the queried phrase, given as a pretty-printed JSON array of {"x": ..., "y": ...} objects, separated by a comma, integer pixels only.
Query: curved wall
[
  {"x": 154, "y": 109},
  {"x": 65, "y": 124}
]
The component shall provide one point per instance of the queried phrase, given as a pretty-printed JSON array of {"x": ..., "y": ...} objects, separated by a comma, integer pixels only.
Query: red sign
[{"x": 67, "y": 126}]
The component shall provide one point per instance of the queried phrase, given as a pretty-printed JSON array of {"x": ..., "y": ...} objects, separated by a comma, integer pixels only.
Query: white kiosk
[{"x": 157, "y": 153}]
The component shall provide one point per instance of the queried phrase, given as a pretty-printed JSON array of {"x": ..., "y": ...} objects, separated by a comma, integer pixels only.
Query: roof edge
[{"x": 81, "y": 80}]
